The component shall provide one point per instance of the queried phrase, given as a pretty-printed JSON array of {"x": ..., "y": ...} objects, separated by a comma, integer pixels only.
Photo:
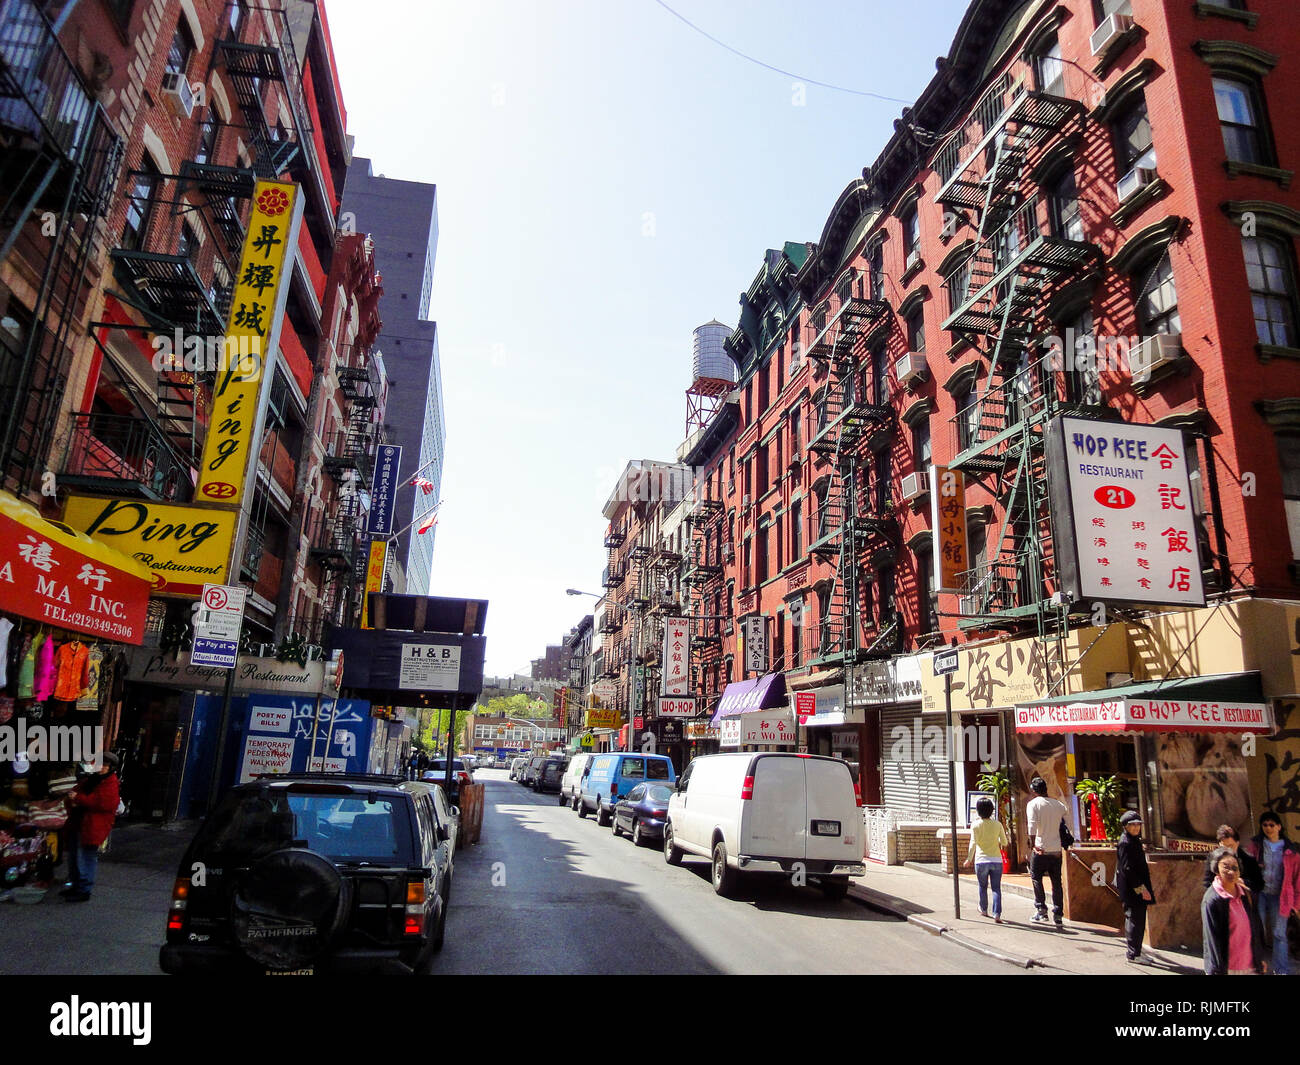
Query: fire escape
[
  {"x": 847, "y": 528},
  {"x": 612, "y": 624},
  {"x": 703, "y": 578},
  {"x": 59, "y": 159},
  {"x": 1020, "y": 258}
]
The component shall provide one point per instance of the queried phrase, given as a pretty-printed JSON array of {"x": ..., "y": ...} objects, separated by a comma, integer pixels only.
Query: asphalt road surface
[{"x": 547, "y": 892}]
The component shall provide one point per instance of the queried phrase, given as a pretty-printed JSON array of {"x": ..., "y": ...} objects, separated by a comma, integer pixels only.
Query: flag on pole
[
  {"x": 424, "y": 485},
  {"x": 429, "y": 522}
]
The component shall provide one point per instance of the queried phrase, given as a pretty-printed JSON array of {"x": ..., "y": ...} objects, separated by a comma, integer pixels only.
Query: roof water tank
[{"x": 708, "y": 357}]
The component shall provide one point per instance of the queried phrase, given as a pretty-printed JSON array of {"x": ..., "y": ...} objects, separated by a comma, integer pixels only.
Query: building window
[
  {"x": 1157, "y": 305},
  {"x": 760, "y": 553},
  {"x": 1240, "y": 118},
  {"x": 921, "y": 443},
  {"x": 139, "y": 208},
  {"x": 876, "y": 266},
  {"x": 206, "y": 151},
  {"x": 880, "y": 376},
  {"x": 1288, "y": 448},
  {"x": 182, "y": 47},
  {"x": 1063, "y": 206},
  {"x": 916, "y": 330},
  {"x": 796, "y": 530},
  {"x": 1103, "y": 9},
  {"x": 1270, "y": 271},
  {"x": 968, "y": 419},
  {"x": 1133, "y": 144},
  {"x": 911, "y": 237},
  {"x": 1049, "y": 70},
  {"x": 926, "y": 620},
  {"x": 794, "y": 433},
  {"x": 957, "y": 285},
  {"x": 1082, "y": 374}
]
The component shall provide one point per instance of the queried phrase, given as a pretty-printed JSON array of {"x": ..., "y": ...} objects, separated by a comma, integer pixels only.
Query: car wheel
[
  {"x": 724, "y": 877},
  {"x": 602, "y": 815},
  {"x": 835, "y": 887},
  {"x": 441, "y": 934},
  {"x": 636, "y": 833},
  {"x": 581, "y": 807},
  {"x": 672, "y": 854},
  {"x": 613, "y": 820},
  {"x": 561, "y": 800}
]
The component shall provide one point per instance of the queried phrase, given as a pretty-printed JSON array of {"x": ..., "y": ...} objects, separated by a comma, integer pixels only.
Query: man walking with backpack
[{"x": 1045, "y": 817}]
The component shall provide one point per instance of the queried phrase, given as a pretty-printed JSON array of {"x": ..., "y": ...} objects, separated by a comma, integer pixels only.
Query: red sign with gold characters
[
  {"x": 67, "y": 580},
  {"x": 951, "y": 552},
  {"x": 256, "y": 311}
]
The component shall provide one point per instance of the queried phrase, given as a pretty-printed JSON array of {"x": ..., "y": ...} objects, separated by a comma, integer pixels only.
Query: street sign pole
[{"x": 945, "y": 662}]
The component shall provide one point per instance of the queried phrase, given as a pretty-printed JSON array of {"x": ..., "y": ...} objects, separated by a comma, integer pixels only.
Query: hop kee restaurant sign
[{"x": 53, "y": 574}]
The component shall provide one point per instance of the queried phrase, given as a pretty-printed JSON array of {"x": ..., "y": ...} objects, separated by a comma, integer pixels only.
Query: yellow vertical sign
[
  {"x": 256, "y": 306},
  {"x": 374, "y": 577},
  {"x": 951, "y": 551}
]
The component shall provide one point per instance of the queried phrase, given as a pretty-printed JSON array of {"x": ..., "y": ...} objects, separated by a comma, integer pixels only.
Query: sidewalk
[
  {"x": 119, "y": 930},
  {"x": 923, "y": 896}
]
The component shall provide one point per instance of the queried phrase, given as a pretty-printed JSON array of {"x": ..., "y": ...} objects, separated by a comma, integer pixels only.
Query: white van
[
  {"x": 769, "y": 813},
  {"x": 571, "y": 779}
]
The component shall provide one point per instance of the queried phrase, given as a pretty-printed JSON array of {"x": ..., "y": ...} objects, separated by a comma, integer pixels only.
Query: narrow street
[{"x": 571, "y": 898}]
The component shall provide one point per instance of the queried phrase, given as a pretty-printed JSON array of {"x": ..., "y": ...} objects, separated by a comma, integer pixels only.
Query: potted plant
[
  {"x": 1105, "y": 793},
  {"x": 998, "y": 783}
]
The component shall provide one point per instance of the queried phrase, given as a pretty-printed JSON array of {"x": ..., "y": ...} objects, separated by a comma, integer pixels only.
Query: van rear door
[
  {"x": 834, "y": 820},
  {"x": 773, "y": 822}
]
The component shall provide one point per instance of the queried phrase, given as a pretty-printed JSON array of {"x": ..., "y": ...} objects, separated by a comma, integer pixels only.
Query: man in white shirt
[{"x": 1045, "y": 817}]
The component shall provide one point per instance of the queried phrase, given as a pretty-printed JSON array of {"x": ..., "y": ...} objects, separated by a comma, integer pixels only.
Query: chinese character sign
[
  {"x": 755, "y": 631},
  {"x": 256, "y": 311},
  {"x": 677, "y": 657},
  {"x": 384, "y": 497},
  {"x": 1125, "y": 513},
  {"x": 948, "y": 521},
  {"x": 376, "y": 566}
]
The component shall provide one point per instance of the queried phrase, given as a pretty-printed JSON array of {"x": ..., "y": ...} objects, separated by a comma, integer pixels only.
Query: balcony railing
[
  {"x": 1006, "y": 587},
  {"x": 121, "y": 454}
]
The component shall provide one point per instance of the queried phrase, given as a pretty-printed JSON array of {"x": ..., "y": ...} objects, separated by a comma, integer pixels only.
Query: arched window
[
  {"x": 1270, "y": 272},
  {"x": 1241, "y": 119},
  {"x": 1157, "y": 303}
]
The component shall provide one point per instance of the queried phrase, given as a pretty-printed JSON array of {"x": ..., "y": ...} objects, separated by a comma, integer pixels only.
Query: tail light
[
  {"x": 415, "y": 898},
  {"x": 857, "y": 791},
  {"x": 180, "y": 903},
  {"x": 747, "y": 788}
]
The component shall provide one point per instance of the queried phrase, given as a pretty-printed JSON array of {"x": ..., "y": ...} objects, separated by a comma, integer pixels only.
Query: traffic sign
[
  {"x": 218, "y": 618},
  {"x": 945, "y": 662}
]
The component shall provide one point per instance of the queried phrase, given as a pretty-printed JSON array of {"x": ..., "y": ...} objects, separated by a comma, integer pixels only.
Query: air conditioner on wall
[
  {"x": 913, "y": 485},
  {"x": 911, "y": 367},
  {"x": 177, "y": 93},
  {"x": 968, "y": 605},
  {"x": 1110, "y": 29},
  {"x": 1133, "y": 182},
  {"x": 1163, "y": 349}
]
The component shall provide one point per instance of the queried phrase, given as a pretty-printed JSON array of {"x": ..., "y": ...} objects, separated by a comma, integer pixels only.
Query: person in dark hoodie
[
  {"x": 1133, "y": 882},
  {"x": 1248, "y": 869},
  {"x": 1231, "y": 933}
]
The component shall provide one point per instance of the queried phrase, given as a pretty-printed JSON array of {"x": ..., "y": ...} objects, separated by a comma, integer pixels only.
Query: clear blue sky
[{"x": 557, "y": 133}]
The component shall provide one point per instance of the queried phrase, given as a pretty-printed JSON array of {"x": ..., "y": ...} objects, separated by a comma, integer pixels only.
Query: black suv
[{"x": 314, "y": 873}]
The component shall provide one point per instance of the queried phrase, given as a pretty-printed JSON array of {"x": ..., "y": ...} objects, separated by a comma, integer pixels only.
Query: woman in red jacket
[{"x": 93, "y": 808}]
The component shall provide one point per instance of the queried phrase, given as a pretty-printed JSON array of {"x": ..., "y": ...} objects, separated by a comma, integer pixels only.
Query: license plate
[
  {"x": 290, "y": 972},
  {"x": 826, "y": 828}
]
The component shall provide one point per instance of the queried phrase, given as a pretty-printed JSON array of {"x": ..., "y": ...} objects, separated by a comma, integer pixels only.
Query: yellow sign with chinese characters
[
  {"x": 256, "y": 311},
  {"x": 604, "y": 719},
  {"x": 185, "y": 547},
  {"x": 951, "y": 558},
  {"x": 374, "y": 577}
]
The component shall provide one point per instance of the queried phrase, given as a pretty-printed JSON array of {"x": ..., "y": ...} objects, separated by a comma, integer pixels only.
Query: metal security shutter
[{"x": 911, "y": 789}]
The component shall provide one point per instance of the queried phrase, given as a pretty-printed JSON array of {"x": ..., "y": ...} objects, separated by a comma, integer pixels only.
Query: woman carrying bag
[{"x": 93, "y": 805}]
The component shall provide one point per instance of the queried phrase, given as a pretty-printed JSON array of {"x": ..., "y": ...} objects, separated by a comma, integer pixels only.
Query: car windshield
[
  {"x": 342, "y": 827},
  {"x": 660, "y": 794},
  {"x": 657, "y": 770}
]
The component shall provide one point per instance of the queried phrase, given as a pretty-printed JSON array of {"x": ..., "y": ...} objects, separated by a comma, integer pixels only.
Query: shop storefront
[
  {"x": 754, "y": 715},
  {"x": 702, "y": 737},
  {"x": 69, "y": 608}
]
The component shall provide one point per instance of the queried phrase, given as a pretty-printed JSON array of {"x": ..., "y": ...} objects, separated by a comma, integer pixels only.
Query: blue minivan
[{"x": 609, "y": 777}]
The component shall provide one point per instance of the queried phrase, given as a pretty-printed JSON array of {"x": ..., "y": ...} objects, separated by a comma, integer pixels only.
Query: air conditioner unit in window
[
  {"x": 177, "y": 93},
  {"x": 1109, "y": 31},
  {"x": 968, "y": 605},
  {"x": 911, "y": 367},
  {"x": 913, "y": 486},
  {"x": 1163, "y": 349},
  {"x": 1134, "y": 181}
]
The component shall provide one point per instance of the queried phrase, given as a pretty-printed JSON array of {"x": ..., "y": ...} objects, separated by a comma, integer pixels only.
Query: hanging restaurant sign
[
  {"x": 256, "y": 313},
  {"x": 58, "y": 576},
  {"x": 1145, "y": 715},
  {"x": 677, "y": 657},
  {"x": 948, "y": 520},
  {"x": 375, "y": 567},
  {"x": 185, "y": 547},
  {"x": 1124, "y": 513}
]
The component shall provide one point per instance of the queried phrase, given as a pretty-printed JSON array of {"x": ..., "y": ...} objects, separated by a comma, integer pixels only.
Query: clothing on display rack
[
  {"x": 6, "y": 627},
  {"x": 71, "y": 658},
  {"x": 46, "y": 671},
  {"x": 27, "y": 666}
]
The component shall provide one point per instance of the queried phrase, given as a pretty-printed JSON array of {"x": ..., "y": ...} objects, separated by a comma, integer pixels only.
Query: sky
[{"x": 608, "y": 179}]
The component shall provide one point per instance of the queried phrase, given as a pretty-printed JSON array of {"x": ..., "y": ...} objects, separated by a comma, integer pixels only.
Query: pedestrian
[
  {"x": 1045, "y": 818},
  {"x": 1279, "y": 898},
  {"x": 987, "y": 840},
  {"x": 1248, "y": 869},
  {"x": 1231, "y": 932},
  {"x": 92, "y": 805},
  {"x": 1133, "y": 882}
]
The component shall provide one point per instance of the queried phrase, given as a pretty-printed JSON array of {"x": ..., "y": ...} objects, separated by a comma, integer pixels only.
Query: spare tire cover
[{"x": 287, "y": 909}]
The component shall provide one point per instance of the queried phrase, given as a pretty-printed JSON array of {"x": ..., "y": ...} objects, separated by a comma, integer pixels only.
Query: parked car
[
  {"x": 314, "y": 873},
  {"x": 608, "y": 777},
  {"x": 572, "y": 777},
  {"x": 533, "y": 768},
  {"x": 550, "y": 774},
  {"x": 460, "y": 774},
  {"x": 766, "y": 812},
  {"x": 643, "y": 811},
  {"x": 517, "y": 767}
]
